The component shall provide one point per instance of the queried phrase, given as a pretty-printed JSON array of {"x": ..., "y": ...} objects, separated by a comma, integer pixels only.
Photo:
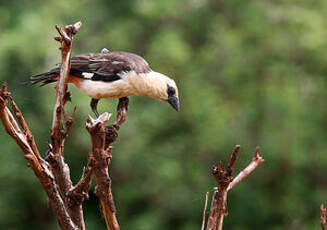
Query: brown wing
[
  {"x": 105, "y": 66},
  {"x": 109, "y": 63}
]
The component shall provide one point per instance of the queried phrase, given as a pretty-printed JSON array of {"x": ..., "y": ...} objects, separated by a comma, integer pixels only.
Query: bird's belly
[{"x": 100, "y": 89}]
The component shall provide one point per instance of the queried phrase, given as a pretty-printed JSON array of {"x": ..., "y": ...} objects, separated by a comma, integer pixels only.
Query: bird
[{"x": 114, "y": 74}]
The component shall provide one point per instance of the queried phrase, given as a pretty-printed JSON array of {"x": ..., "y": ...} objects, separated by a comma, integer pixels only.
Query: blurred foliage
[{"x": 249, "y": 73}]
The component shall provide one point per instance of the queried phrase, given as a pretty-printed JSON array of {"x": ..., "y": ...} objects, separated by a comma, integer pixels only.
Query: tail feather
[{"x": 45, "y": 78}]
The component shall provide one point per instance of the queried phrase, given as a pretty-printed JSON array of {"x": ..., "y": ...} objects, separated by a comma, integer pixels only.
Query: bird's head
[{"x": 163, "y": 88}]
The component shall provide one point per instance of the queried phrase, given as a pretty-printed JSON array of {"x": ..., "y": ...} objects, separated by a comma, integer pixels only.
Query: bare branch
[
  {"x": 55, "y": 158},
  {"x": 226, "y": 182},
  {"x": 205, "y": 211},
  {"x": 102, "y": 154},
  {"x": 213, "y": 215},
  {"x": 27, "y": 131},
  {"x": 61, "y": 172},
  {"x": 79, "y": 193},
  {"x": 69, "y": 121},
  {"x": 233, "y": 159},
  {"x": 59, "y": 167},
  {"x": 323, "y": 217},
  {"x": 61, "y": 88},
  {"x": 256, "y": 161},
  {"x": 64, "y": 36},
  {"x": 37, "y": 164},
  {"x": 13, "y": 129}
]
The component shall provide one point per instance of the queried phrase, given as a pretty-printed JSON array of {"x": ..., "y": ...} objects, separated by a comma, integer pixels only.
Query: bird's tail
[{"x": 45, "y": 78}]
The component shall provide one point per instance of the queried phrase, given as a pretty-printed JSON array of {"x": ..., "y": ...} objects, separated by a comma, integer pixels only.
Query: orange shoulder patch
[{"x": 74, "y": 80}]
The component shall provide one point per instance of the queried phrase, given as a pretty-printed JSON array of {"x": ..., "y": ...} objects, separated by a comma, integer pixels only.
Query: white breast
[
  {"x": 131, "y": 84},
  {"x": 100, "y": 89},
  {"x": 114, "y": 89}
]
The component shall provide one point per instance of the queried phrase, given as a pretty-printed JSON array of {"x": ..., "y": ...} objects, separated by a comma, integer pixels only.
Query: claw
[{"x": 94, "y": 104}]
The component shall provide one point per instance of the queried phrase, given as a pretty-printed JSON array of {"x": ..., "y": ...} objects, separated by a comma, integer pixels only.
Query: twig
[
  {"x": 68, "y": 124},
  {"x": 205, "y": 211},
  {"x": 232, "y": 160},
  {"x": 323, "y": 217},
  {"x": 256, "y": 161},
  {"x": 226, "y": 182},
  {"x": 27, "y": 131},
  {"x": 64, "y": 36},
  {"x": 79, "y": 193}
]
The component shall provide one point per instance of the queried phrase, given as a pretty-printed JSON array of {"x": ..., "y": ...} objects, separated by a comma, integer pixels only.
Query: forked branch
[
  {"x": 224, "y": 177},
  {"x": 24, "y": 139},
  {"x": 102, "y": 155}
]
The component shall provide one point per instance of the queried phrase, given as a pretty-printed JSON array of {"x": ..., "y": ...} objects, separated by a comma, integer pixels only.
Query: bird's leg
[
  {"x": 112, "y": 130},
  {"x": 94, "y": 104},
  {"x": 122, "y": 108}
]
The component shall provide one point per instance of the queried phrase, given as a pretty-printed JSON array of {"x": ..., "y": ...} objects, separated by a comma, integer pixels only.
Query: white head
[{"x": 163, "y": 88}]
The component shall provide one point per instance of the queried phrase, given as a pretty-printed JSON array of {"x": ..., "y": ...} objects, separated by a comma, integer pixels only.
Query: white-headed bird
[{"x": 115, "y": 75}]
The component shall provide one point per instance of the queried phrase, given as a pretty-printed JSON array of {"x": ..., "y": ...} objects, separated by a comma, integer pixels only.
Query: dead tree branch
[
  {"x": 102, "y": 154},
  {"x": 205, "y": 211},
  {"x": 224, "y": 177},
  {"x": 55, "y": 157},
  {"x": 79, "y": 193},
  {"x": 323, "y": 217},
  {"x": 26, "y": 130},
  {"x": 256, "y": 161},
  {"x": 40, "y": 167},
  {"x": 66, "y": 40}
]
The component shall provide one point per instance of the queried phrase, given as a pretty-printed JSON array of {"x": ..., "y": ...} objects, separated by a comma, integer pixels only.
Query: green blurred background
[{"x": 249, "y": 73}]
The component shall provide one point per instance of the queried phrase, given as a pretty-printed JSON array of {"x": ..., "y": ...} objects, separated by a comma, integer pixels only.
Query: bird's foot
[
  {"x": 111, "y": 134},
  {"x": 112, "y": 130}
]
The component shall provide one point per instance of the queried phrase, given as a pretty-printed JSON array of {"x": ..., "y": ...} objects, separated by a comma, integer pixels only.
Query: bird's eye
[{"x": 170, "y": 90}]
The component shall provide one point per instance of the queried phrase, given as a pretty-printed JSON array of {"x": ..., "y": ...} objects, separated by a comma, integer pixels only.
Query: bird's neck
[
  {"x": 154, "y": 85},
  {"x": 150, "y": 84}
]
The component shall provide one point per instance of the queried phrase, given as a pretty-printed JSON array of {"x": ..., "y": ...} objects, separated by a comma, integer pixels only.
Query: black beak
[{"x": 174, "y": 102}]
